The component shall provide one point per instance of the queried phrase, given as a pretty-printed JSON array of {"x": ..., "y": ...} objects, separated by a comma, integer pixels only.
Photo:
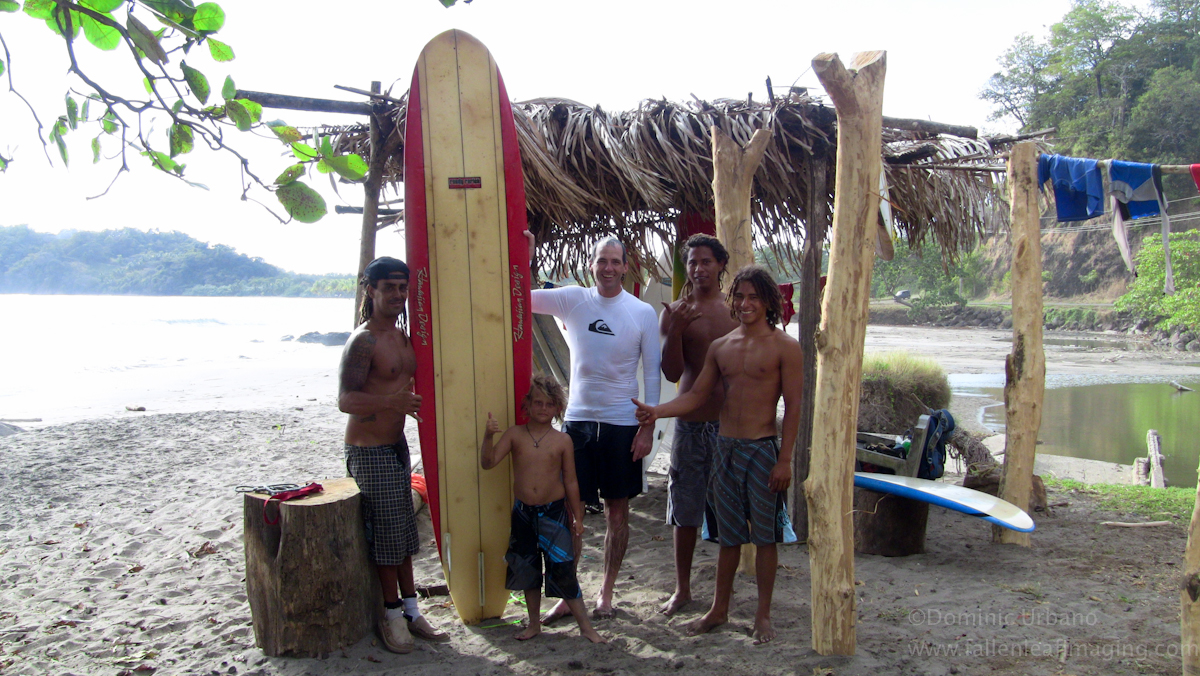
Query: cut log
[
  {"x": 858, "y": 99},
  {"x": 309, "y": 579},
  {"x": 888, "y": 525},
  {"x": 1025, "y": 367}
]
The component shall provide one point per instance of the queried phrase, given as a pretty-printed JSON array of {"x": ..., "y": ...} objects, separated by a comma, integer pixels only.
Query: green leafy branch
[{"x": 181, "y": 93}]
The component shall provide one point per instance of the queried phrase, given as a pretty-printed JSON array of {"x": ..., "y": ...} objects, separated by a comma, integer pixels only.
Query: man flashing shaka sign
[{"x": 757, "y": 362}]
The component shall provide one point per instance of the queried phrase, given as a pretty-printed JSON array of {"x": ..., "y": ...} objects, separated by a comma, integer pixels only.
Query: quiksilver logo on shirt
[{"x": 599, "y": 326}]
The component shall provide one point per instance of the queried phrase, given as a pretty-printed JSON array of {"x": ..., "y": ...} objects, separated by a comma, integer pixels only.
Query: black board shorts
[{"x": 604, "y": 461}]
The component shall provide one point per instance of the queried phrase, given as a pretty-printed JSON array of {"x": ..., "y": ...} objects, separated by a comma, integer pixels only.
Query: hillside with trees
[
  {"x": 133, "y": 262},
  {"x": 1115, "y": 81}
]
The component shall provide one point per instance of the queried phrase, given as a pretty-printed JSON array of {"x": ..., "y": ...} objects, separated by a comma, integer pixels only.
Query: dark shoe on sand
[{"x": 394, "y": 633}]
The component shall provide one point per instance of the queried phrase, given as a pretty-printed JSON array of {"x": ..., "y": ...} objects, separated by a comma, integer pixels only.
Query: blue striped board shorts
[
  {"x": 542, "y": 532},
  {"x": 741, "y": 508}
]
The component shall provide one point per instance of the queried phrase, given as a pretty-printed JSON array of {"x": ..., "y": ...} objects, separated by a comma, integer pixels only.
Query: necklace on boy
[{"x": 536, "y": 440}]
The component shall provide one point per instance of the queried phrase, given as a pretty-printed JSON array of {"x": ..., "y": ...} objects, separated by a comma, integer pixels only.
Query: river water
[{"x": 1107, "y": 418}]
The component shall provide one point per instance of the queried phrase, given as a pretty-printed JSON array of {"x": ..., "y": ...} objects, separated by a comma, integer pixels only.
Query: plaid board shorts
[
  {"x": 691, "y": 466},
  {"x": 741, "y": 507},
  {"x": 542, "y": 532},
  {"x": 384, "y": 478}
]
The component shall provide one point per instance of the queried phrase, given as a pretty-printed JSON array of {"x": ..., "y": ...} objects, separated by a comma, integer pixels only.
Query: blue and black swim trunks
[{"x": 542, "y": 532}]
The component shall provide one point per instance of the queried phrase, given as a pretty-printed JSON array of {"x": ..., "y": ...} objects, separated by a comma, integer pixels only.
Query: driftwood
[
  {"x": 1155, "y": 457},
  {"x": 888, "y": 525},
  {"x": 310, "y": 583},
  {"x": 1144, "y": 524},
  {"x": 858, "y": 98},
  {"x": 1025, "y": 367}
]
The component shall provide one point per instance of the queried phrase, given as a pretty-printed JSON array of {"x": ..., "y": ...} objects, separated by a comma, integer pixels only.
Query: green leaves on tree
[
  {"x": 304, "y": 152},
  {"x": 228, "y": 90},
  {"x": 101, "y": 35},
  {"x": 209, "y": 17},
  {"x": 243, "y": 112},
  {"x": 301, "y": 202},
  {"x": 176, "y": 11},
  {"x": 164, "y": 162},
  {"x": 109, "y": 122},
  {"x": 196, "y": 81},
  {"x": 350, "y": 167},
  {"x": 39, "y": 9},
  {"x": 96, "y": 150},
  {"x": 219, "y": 50},
  {"x": 72, "y": 113},
  {"x": 8, "y": 6},
  {"x": 1, "y": 66},
  {"x": 290, "y": 174},
  {"x": 182, "y": 139},
  {"x": 102, "y": 6},
  {"x": 283, "y": 132},
  {"x": 61, "y": 18},
  {"x": 145, "y": 40},
  {"x": 56, "y": 134}
]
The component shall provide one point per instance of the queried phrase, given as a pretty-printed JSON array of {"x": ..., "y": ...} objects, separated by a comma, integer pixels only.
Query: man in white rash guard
[{"x": 608, "y": 331}]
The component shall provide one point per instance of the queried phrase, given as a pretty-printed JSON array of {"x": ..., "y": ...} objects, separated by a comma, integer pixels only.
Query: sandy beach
[{"x": 121, "y": 553}]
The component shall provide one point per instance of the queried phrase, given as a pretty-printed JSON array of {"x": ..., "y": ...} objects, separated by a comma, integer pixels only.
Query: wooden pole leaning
[
  {"x": 858, "y": 97},
  {"x": 371, "y": 189},
  {"x": 1189, "y": 597},
  {"x": 1025, "y": 366},
  {"x": 733, "y": 181}
]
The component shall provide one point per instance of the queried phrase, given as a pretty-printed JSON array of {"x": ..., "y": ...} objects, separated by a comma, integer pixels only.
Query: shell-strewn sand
[{"x": 120, "y": 552}]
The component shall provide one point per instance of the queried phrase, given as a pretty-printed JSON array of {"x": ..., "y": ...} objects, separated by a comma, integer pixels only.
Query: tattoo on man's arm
[{"x": 356, "y": 363}]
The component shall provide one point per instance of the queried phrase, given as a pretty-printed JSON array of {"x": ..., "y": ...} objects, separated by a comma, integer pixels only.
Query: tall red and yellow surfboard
[{"x": 468, "y": 303}]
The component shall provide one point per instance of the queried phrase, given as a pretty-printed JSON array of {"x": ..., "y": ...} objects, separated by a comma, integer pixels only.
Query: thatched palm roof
[{"x": 589, "y": 173}]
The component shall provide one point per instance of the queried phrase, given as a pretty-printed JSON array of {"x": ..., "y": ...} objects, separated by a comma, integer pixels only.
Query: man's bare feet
[
  {"x": 604, "y": 609},
  {"x": 764, "y": 632},
  {"x": 676, "y": 603},
  {"x": 530, "y": 632},
  {"x": 559, "y": 611},
  {"x": 705, "y": 624},
  {"x": 593, "y": 636}
]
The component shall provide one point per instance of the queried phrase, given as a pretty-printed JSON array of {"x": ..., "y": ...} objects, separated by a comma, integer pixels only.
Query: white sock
[
  {"x": 393, "y": 613},
  {"x": 411, "y": 611}
]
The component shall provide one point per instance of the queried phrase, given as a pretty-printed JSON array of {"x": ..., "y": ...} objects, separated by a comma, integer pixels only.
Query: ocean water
[{"x": 68, "y": 358}]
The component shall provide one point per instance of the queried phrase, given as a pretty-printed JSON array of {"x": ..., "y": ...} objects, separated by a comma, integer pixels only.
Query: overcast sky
[{"x": 615, "y": 53}]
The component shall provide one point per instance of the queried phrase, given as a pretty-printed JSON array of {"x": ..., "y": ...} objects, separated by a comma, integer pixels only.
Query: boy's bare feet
[
  {"x": 559, "y": 611},
  {"x": 706, "y": 623},
  {"x": 592, "y": 635},
  {"x": 530, "y": 632},
  {"x": 763, "y": 631},
  {"x": 676, "y": 603}
]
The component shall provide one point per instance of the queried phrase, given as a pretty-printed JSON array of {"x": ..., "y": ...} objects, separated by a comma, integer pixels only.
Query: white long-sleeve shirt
[{"x": 607, "y": 337}]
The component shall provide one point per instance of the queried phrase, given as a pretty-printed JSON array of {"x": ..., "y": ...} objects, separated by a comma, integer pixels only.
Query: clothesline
[{"x": 1140, "y": 223}]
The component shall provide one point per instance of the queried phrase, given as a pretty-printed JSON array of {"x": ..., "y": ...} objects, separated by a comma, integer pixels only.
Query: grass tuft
[
  {"x": 921, "y": 376},
  {"x": 1143, "y": 501}
]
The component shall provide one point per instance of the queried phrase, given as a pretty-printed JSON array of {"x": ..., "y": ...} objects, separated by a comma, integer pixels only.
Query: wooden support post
[
  {"x": 808, "y": 311},
  {"x": 1025, "y": 367},
  {"x": 733, "y": 180},
  {"x": 371, "y": 189},
  {"x": 857, "y": 95},
  {"x": 1189, "y": 597}
]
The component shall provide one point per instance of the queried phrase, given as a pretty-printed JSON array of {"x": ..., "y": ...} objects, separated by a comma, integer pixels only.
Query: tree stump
[
  {"x": 888, "y": 525},
  {"x": 311, "y": 585}
]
